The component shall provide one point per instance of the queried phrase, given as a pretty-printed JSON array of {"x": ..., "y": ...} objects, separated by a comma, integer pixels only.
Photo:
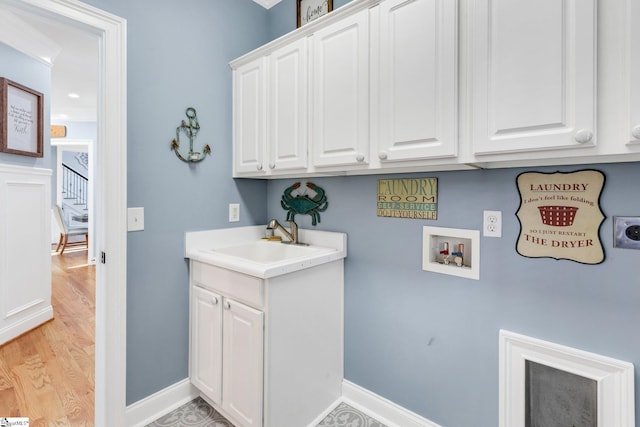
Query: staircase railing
[{"x": 74, "y": 186}]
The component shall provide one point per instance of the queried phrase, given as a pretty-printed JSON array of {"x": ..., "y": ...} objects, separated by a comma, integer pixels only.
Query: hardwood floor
[{"x": 47, "y": 374}]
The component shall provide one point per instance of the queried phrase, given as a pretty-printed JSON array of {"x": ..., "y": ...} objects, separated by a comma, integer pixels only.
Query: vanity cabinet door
[
  {"x": 249, "y": 110},
  {"x": 340, "y": 93},
  {"x": 206, "y": 342},
  {"x": 418, "y": 79},
  {"x": 243, "y": 338},
  {"x": 288, "y": 100},
  {"x": 533, "y": 75}
]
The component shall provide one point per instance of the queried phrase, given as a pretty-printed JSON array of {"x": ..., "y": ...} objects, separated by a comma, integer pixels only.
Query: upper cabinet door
[
  {"x": 249, "y": 94},
  {"x": 533, "y": 75},
  {"x": 633, "y": 54},
  {"x": 340, "y": 106},
  {"x": 288, "y": 135},
  {"x": 418, "y": 79}
]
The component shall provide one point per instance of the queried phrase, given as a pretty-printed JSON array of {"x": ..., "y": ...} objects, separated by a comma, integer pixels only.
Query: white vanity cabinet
[
  {"x": 416, "y": 80},
  {"x": 267, "y": 352},
  {"x": 532, "y": 76},
  {"x": 226, "y": 358}
]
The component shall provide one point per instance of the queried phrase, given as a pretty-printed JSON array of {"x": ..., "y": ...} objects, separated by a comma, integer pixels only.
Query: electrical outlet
[
  {"x": 626, "y": 232},
  {"x": 234, "y": 212},
  {"x": 492, "y": 224},
  {"x": 135, "y": 219}
]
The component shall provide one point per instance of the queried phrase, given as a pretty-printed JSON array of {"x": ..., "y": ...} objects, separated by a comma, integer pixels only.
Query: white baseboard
[
  {"x": 151, "y": 408},
  {"x": 324, "y": 414},
  {"x": 383, "y": 410},
  {"x": 391, "y": 414},
  {"x": 26, "y": 324}
]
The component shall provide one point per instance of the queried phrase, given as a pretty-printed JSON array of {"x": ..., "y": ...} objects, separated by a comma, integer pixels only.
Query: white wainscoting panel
[{"x": 25, "y": 249}]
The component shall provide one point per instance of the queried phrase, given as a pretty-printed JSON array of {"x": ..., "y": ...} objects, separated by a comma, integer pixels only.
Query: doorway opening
[{"x": 109, "y": 236}]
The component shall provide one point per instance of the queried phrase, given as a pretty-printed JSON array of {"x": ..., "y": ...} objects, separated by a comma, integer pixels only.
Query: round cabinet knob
[
  {"x": 227, "y": 305},
  {"x": 636, "y": 132},
  {"x": 583, "y": 136},
  {"x": 272, "y": 166},
  {"x": 382, "y": 155},
  {"x": 259, "y": 166},
  {"x": 214, "y": 300},
  {"x": 360, "y": 157}
]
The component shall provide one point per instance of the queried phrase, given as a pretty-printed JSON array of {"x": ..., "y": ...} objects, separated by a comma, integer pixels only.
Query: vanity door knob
[
  {"x": 272, "y": 166},
  {"x": 636, "y": 132},
  {"x": 583, "y": 136},
  {"x": 382, "y": 155},
  {"x": 214, "y": 300},
  {"x": 227, "y": 305},
  {"x": 259, "y": 166},
  {"x": 360, "y": 157}
]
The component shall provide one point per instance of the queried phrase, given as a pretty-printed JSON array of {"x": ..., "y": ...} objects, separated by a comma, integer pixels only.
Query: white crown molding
[
  {"x": 267, "y": 4},
  {"x": 16, "y": 33}
]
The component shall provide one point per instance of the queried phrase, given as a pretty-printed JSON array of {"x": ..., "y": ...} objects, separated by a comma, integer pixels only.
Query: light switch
[{"x": 135, "y": 219}]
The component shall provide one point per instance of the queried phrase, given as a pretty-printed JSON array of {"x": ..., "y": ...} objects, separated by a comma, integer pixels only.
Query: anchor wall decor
[{"x": 191, "y": 130}]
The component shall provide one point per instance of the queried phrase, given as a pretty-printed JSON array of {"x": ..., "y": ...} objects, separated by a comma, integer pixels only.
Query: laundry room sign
[
  {"x": 560, "y": 215},
  {"x": 415, "y": 198}
]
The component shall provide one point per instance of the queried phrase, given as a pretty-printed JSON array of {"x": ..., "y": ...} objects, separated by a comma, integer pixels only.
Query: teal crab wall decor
[{"x": 307, "y": 199}]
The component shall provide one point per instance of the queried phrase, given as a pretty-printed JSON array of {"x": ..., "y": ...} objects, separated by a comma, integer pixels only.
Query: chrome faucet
[{"x": 292, "y": 236}]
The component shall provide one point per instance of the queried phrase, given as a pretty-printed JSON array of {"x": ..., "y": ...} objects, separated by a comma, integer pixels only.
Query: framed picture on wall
[
  {"x": 310, "y": 10},
  {"x": 21, "y": 121}
]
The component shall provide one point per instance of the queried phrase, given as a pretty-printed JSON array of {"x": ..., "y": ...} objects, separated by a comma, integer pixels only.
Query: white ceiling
[
  {"x": 73, "y": 54},
  {"x": 74, "y": 59}
]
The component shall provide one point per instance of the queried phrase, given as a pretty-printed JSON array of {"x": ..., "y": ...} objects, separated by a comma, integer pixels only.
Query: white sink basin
[
  {"x": 241, "y": 249},
  {"x": 266, "y": 252}
]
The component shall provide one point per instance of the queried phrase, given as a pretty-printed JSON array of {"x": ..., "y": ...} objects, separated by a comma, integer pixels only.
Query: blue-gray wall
[
  {"x": 178, "y": 57},
  {"x": 34, "y": 74},
  {"x": 426, "y": 341},
  {"x": 429, "y": 341}
]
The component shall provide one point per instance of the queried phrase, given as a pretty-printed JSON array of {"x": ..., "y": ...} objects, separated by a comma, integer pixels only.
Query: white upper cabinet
[
  {"x": 288, "y": 111},
  {"x": 249, "y": 109},
  {"x": 340, "y": 92},
  {"x": 533, "y": 75},
  {"x": 380, "y": 86},
  {"x": 418, "y": 80},
  {"x": 632, "y": 43}
]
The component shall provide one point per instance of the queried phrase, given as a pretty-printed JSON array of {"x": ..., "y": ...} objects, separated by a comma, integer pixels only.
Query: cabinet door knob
[
  {"x": 583, "y": 136},
  {"x": 214, "y": 300},
  {"x": 259, "y": 166},
  {"x": 382, "y": 155},
  {"x": 227, "y": 305},
  {"x": 272, "y": 166},
  {"x": 636, "y": 132},
  {"x": 360, "y": 157}
]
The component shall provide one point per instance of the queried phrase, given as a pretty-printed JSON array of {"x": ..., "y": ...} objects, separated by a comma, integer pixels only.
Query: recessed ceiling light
[{"x": 73, "y": 95}]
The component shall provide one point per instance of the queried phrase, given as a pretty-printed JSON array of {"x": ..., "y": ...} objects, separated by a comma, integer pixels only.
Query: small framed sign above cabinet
[
  {"x": 21, "y": 119},
  {"x": 310, "y": 10}
]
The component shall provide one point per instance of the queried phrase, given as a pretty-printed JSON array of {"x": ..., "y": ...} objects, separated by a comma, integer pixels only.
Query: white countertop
[{"x": 202, "y": 245}]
